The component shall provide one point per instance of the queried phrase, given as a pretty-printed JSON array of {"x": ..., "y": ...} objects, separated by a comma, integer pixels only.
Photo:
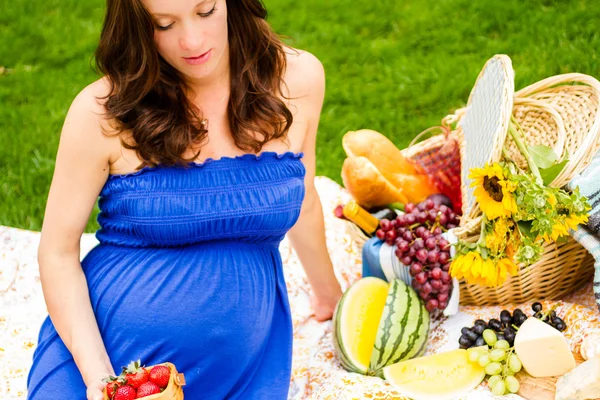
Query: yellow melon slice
[
  {"x": 356, "y": 320},
  {"x": 443, "y": 376}
]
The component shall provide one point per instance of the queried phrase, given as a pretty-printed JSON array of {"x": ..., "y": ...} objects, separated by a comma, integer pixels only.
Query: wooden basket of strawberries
[{"x": 157, "y": 382}]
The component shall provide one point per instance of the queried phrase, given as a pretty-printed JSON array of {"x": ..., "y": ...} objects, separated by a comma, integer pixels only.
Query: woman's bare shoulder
[
  {"x": 86, "y": 120},
  {"x": 305, "y": 75}
]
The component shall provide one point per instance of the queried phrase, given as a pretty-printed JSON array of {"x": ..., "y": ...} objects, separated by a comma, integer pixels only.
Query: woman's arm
[
  {"x": 308, "y": 235},
  {"x": 82, "y": 167}
]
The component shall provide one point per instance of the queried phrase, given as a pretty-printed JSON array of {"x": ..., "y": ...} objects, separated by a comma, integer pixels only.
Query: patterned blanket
[{"x": 316, "y": 372}]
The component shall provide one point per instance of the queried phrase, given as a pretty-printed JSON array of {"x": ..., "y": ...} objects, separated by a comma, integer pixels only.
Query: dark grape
[
  {"x": 561, "y": 326},
  {"x": 390, "y": 236},
  {"x": 421, "y": 255},
  {"x": 472, "y": 336},
  {"x": 445, "y": 277},
  {"x": 481, "y": 322},
  {"x": 385, "y": 224},
  {"x": 539, "y": 315},
  {"x": 427, "y": 287},
  {"x": 431, "y": 243},
  {"x": 426, "y": 235},
  {"x": 416, "y": 268},
  {"x": 480, "y": 341},
  {"x": 536, "y": 307},
  {"x": 419, "y": 244},
  {"x": 431, "y": 305},
  {"x": 436, "y": 284},
  {"x": 478, "y": 329},
  {"x": 552, "y": 314},
  {"x": 501, "y": 337},
  {"x": 402, "y": 245},
  {"x": 521, "y": 318},
  {"x": 495, "y": 324},
  {"x": 518, "y": 311},
  {"x": 464, "y": 330},
  {"x": 443, "y": 219},
  {"x": 429, "y": 204},
  {"x": 421, "y": 277},
  {"x": 464, "y": 341},
  {"x": 443, "y": 243},
  {"x": 505, "y": 317},
  {"x": 558, "y": 320},
  {"x": 401, "y": 220},
  {"x": 432, "y": 215},
  {"x": 509, "y": 334}
]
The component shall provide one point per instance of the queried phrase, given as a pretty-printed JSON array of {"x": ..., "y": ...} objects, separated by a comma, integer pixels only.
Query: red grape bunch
[{"x": 417, "y": 235}]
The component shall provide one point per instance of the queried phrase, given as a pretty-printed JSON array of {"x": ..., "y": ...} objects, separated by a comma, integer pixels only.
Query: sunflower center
[{"x": 492, "y": 186}]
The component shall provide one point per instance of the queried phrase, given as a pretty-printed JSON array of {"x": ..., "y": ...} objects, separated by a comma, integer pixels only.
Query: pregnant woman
[{"x": 199, "y": 139}]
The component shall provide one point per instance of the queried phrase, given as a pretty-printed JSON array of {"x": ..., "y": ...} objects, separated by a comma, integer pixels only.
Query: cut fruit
[
  {"x": 403, "y": 329},
  {"x": 355, "y": 322},
  {"x": 443, "y": 376}
]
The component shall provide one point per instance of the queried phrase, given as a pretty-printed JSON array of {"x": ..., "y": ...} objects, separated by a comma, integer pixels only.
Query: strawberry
[
  {"x": 146, "y": 389},
  {"x": 112, "y": 384},
  {"x": 160, "y": 374},
  {"x": 125, "y": 393},
  {"x": 135, "y": 375}
]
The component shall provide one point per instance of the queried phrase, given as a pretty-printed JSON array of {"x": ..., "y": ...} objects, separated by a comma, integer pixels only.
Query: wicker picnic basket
[
  {"x": 561, "y": 112},
  {"x": 173, "y": 391}
]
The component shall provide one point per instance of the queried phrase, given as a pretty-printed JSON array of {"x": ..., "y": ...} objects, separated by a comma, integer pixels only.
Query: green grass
[{"x": 394, "y": 66}]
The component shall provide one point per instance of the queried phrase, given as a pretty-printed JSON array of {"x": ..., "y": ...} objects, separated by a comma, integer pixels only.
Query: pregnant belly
[{"x": 188, "y": 300}]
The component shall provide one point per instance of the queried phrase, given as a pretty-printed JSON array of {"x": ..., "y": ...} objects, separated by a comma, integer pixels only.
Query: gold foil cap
[{"x": 360, "y": 217}]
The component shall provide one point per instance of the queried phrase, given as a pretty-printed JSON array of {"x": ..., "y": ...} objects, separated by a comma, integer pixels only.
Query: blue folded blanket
[{"x": 589, "y": 235}]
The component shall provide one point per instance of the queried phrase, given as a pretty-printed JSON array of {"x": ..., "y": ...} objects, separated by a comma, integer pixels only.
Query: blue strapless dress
[{"x": 188, "y": 271}]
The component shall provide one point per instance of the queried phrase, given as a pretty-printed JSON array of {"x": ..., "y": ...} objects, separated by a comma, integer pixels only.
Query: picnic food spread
[{"x": 439, "y": 220}]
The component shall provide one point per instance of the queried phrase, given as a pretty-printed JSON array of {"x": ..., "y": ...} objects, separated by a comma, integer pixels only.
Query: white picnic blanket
[{"x": 316, "y": 371}]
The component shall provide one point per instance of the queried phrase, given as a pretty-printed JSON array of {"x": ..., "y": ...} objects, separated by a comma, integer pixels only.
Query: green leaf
[
  {"x": 525, "y": 228},
  {"x": 549, "y": 174},
  {"x": 543, "y": 156}
]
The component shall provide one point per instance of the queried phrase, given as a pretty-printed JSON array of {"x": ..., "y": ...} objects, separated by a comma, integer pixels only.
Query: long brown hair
[{"x": 147, "y": 95}]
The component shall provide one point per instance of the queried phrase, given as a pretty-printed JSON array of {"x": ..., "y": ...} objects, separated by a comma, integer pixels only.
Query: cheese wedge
[
  {"x": 543, "y": 350},
  {"x": 581, "y": 383}
]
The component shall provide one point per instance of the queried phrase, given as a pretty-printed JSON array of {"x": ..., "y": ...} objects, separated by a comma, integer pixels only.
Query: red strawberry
[
  {"x": 146, "y": 389},
  {"x": 160, "y": 374},
  {"x": 112, "y": 384},
  {"x": 125, "y": 393},
  {"x": 135, "y": 374}
]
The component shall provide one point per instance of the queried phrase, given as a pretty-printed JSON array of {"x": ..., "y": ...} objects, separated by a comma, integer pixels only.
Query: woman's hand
[
  {"x": 95, "y": 390},
  {"x": 323, "y": 306}
]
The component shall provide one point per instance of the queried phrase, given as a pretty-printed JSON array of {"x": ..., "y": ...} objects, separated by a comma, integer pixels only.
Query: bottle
[{"x": 361, "y": 217}]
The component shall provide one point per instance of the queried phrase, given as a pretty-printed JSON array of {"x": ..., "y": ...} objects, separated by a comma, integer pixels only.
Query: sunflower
[
  {"x": 493, "y": 191},
  {"x": 505, "y": 267},
  {"x": 475, "y": 269},
  {"x": 558, "y": 229},
  {"x": 573, "y": 220}
]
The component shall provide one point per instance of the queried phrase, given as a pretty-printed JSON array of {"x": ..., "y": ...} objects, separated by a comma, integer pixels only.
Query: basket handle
[{"x": 559, "y": 147}]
